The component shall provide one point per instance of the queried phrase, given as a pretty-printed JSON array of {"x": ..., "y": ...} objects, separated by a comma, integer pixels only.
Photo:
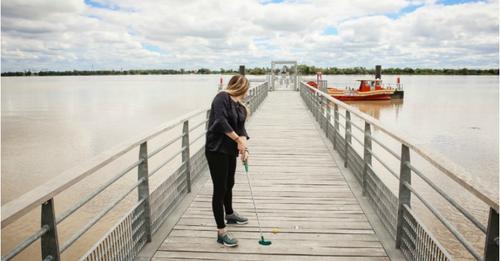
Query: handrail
[
  {"x": 391, "y": 209},
  {"x": 449, "y": 168},
  {"x": 452, "y": 201},
  {"x": 443, "y": 220},
  {"x": 20, "y": 206}
]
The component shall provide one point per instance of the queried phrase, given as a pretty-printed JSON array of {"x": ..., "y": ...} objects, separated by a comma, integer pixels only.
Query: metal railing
[
  {"x": 395, "y": 212},
  {"x": 133, "y": 230}
]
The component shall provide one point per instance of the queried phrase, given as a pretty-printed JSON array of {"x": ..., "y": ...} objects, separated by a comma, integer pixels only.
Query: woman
[{"x": 226, "y": 139}]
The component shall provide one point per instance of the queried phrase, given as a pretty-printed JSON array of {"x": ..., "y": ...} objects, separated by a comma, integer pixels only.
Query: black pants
[{"x": 222, "y": 168}]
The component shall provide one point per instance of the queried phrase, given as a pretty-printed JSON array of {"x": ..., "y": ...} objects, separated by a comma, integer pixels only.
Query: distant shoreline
[{"x": 303, "y": 69}]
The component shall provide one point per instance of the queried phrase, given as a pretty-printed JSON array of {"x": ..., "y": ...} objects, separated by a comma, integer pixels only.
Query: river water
[
  {"x": 50, "y": 124},
  {"x": 455, "y": 117}
]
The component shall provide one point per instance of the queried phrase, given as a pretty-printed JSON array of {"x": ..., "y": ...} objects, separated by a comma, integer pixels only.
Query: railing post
[
  {"x": 318, "y": 108},
  {"x": 272, "y": 79},
  {"x": 367, "y": 156},
  {"x": 306, "y": 96},
  {"x": 185, "y": 153},
  {"x": 336, "y": 125},
  {"x": 207, "y": 118},
  {"x": 249, "y": 99},
  {"x": 50, "y": 240},
  {"x": 263, "y": 93},
  {"x": 304, "y": 92},
  {"x": 404, "y": 193},
  {"x": 313, "y": 104},
  {"x": 347, "y": 135},
  {"x": 254, "y": 100},
  {"x": 143, "y": 188},
  {"x": 491, "y": 241},
  {"x": 259, "y": 94},
  {"x": 328, "y": 120},
  {"x": 322, "y": 111},
  {"x": 311, "y": 101}
]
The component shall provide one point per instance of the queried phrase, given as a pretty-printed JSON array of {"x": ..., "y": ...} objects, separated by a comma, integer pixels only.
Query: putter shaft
[{"x": 253, "y": 201}]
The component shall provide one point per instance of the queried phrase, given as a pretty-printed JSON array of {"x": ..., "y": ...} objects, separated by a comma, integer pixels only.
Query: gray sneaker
[
  {"x": 235, "y": 218},
  {"x": 227, "y": 240}
]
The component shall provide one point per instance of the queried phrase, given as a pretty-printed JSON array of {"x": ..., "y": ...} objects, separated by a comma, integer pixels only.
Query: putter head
[{"x": 264, "y": 242}]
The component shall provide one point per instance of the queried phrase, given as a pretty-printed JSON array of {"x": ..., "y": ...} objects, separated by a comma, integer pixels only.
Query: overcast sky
[{"x": 130, "y": 34}]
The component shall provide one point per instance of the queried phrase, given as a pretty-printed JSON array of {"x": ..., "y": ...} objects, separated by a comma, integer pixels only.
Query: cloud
[{"x": 108, "y": 34}]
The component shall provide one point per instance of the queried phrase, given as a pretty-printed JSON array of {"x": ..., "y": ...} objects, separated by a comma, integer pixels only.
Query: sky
[{"x": 130, "y": 34}]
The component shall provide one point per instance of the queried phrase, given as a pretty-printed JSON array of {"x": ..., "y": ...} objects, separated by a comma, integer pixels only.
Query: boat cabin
[{"x": 370, "y": 85}]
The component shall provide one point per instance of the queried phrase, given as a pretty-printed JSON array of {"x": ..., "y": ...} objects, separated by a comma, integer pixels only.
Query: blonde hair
[{"x": 238, "y": 86}]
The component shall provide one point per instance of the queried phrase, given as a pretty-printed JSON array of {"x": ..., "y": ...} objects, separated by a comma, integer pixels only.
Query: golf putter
[{"x": 262, "y": 241}]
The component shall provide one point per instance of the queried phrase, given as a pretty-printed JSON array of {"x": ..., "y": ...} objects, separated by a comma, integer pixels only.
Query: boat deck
[{"x": 300, "y": 192}]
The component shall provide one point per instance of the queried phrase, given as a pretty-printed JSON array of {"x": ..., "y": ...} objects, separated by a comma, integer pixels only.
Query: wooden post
[
  {"x": 242, "y": 69},
  {"x": 404, "y": 193},
  {"x": 49, "y": 241}
]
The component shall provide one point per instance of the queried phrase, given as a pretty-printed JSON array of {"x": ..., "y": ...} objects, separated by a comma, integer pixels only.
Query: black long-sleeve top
[{"x": 226, "y": 116}]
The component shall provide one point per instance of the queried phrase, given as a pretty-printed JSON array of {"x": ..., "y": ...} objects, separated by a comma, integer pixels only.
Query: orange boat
[{"x": 369, "y": 90}]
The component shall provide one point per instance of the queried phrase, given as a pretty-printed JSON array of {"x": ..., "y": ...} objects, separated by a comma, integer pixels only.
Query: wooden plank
[
  {"x": 293, "y": 236},
  {"x": 298, "y": 229},
  {"x": 181, "y": 255},
  {"x": 314, "y": 240},
  {"x": 290, "y": 213},
  {"x": 248, "y": 246}
]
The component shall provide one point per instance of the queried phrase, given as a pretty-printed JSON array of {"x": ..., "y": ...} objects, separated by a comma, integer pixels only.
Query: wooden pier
[
  {"x": 317, "y": 196},
  {"x": 299, "y": 191}
]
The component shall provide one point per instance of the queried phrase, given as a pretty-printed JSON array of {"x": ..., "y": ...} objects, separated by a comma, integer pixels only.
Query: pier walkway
[{"x": 299, "y": 191}]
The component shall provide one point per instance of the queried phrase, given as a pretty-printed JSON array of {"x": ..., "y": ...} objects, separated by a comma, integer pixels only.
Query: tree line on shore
[{"x": 303, "y": 69}]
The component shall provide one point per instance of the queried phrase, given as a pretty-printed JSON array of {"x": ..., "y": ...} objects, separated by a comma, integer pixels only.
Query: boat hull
[
  {"x": 398, "y": 94},
  {"x": 377, "y": 97}
]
